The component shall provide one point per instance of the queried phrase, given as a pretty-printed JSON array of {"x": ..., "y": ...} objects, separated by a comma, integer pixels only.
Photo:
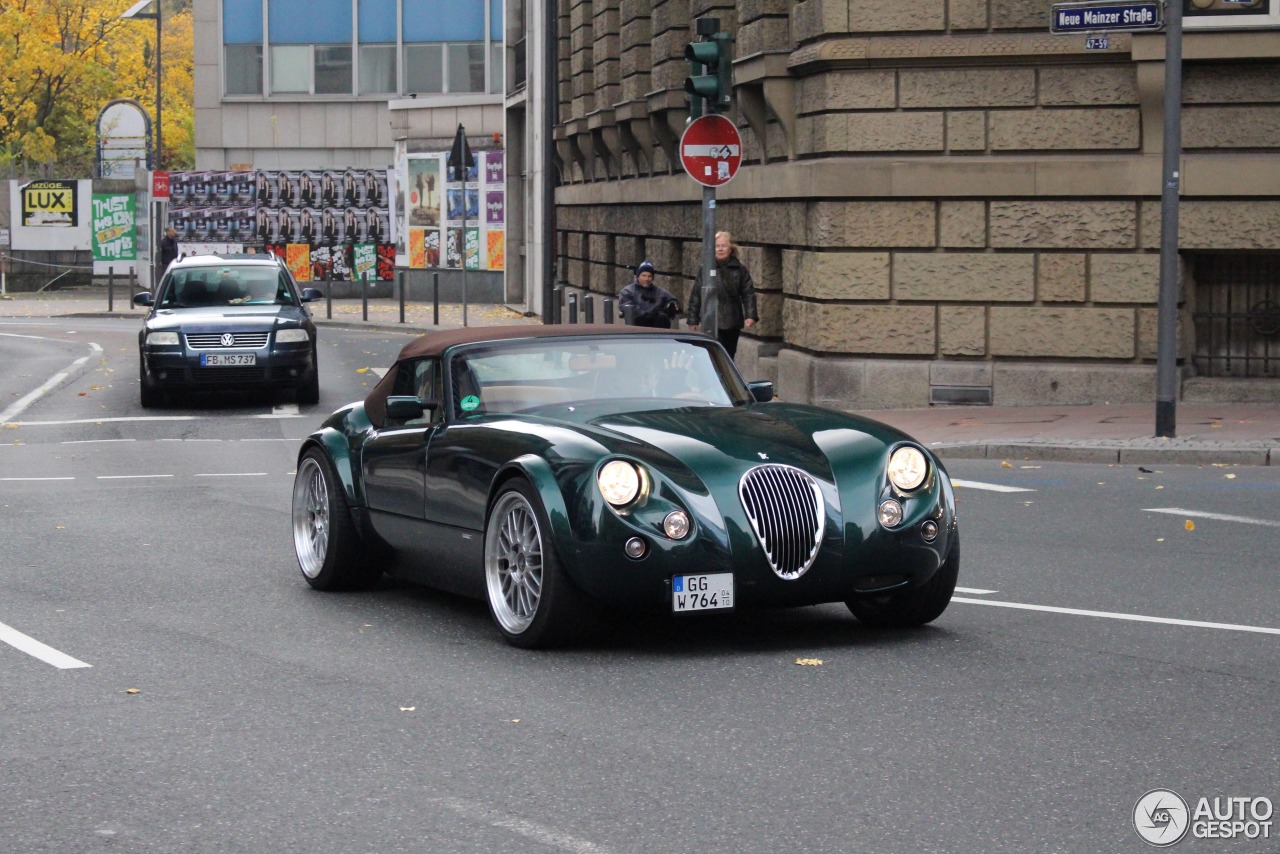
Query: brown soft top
[{"x": 434, "y": 344}]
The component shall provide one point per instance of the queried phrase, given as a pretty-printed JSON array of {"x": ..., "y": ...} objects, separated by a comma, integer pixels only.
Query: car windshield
[
  {"x": 523, "y": 376},
  {"x": 212, "y": 286}
]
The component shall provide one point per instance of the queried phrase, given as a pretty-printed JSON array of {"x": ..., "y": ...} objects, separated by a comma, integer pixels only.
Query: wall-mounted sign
[{"x": 50, "y": 203}]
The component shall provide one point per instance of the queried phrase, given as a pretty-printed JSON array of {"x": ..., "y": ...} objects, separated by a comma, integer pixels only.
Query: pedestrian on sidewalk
[
  {"x": 735, "y": 295},
  {"x": 168, "y": 248},
  {"x": 649, "y": 304}
]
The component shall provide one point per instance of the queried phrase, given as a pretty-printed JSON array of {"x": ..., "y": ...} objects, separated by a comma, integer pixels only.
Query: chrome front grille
[
  {"x": 787, "y": 513},
  {"x": 227, "y": 340}
]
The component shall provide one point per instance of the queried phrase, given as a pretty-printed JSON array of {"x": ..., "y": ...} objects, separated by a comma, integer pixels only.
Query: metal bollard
[
  {"x": 364, "y": 294},
  {"x": 435, "y": 299},
  {"x": 557, "y": 297},
  {"x": 328, "y": 293},
  {"x": 400, "y": 274},
  {"x": 111, "y": 288},
  {"x": 608, "y": 310},
  {"x": 133, "y": 282},
  {"x": 629, "y": 314},
  {"x": 573, "y": 308},
  {"x": 588, "y": 309}
]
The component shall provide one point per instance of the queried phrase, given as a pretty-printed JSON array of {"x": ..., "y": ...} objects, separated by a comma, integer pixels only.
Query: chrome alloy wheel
[
  {"x": 310, "y": 517},
  {"x": 513, "y": 562}
]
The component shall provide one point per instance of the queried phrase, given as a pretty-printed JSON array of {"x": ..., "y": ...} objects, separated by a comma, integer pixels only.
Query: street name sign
[
  {"x": 1107, "y": 17},
  {"x": 711, "y": 150}
]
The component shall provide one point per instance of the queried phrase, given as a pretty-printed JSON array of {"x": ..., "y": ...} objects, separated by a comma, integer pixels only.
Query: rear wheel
[
  {"x": 325, "y": 540},
  {"x": 530, "y": 597},
  {"x": 913, "y": 607}
]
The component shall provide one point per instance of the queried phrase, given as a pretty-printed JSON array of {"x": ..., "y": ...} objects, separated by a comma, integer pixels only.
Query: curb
[{"x": 1113, "y": 453}]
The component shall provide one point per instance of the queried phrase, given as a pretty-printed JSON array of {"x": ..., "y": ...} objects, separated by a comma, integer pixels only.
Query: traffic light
[{"x": 713, "y": 57}]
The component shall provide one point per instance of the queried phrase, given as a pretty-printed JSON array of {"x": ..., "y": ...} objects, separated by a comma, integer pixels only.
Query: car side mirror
[
  {"x": 144, "y": 298},
  {"x": 407, "y": 407},
  {"x": 311, "y": 294},
  {"x": 761, "y": 391}
]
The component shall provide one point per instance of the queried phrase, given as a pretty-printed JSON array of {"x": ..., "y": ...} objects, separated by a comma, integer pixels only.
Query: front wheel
[
  {"x": 913, "y": 607},
  {"x": 150, "y": 395},
  {"x": 531, "y": 599},
  {"x": 329, "y": 550}
]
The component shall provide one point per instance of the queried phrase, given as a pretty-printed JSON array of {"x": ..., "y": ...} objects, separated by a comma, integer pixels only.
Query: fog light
[
  {"x": 293, "y": 372},
  {"x": 635, "y": 548},
  {"x": 676, "y": 525},
  {"x": 890, "y": 513},
  {"x": 929, "y": 530}
]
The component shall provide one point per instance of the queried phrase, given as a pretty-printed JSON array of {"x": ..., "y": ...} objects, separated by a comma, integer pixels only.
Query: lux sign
[{"x": 49, "y": 203}]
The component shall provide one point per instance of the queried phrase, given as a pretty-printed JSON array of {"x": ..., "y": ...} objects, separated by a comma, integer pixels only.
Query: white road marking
[
  {"x": 974, "y": 591},
  {"x": 33, "y": 647},
  {"x": 1217, "y": 517},
  {"x": 134, "y": 477},
  {"x": 37, "y": 478},
  {"x": 233, "y": 474},
  {"x": 289, "y": 409},
  {"x": 104, "y": 420},
  {"x": 49, "y": 385},
  {"x": 989, "y": 487},
  {"x": 539, "y": 833},
  {"x": 1111, "y": 615},
  {"x": 381, "y": 372}
]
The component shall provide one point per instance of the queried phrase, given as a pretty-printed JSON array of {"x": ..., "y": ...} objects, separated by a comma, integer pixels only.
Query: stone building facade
[{"x": 940, "y": 201}]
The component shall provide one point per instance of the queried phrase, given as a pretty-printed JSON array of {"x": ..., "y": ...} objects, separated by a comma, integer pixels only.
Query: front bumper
[{"x": 179, "y": 367}]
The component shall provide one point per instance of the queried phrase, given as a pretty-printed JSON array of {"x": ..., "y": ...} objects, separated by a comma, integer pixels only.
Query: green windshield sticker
[{"x": 470, "y": 402}]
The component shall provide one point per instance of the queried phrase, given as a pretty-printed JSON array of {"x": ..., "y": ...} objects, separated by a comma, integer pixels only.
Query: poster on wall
[
  {"x": 298, "y": 212},
  {"x": 50, "y": 204},
  {"x": 114, "y": 227},
  {"x": 434, "y": 209}
]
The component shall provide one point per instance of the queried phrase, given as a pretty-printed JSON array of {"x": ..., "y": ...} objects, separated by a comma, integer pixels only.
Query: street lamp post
[{"x": 135, "y": 12}]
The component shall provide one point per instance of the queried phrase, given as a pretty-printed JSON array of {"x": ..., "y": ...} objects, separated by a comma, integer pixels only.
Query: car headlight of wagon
[
  {"x": 620, "y": 482},
  {"x": 292, "y": 336},
  {"x": 907, "y": 468},
  {"x": 162, "y": 339}
]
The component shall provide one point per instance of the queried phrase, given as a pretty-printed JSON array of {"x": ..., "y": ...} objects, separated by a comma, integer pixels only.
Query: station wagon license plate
[
  {"x": 228, "y": 360},
  {"x": 712, "y": 592}
]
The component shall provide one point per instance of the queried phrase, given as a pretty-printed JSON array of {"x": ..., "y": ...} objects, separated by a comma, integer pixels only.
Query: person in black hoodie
[{"x": 650, "y": 305}]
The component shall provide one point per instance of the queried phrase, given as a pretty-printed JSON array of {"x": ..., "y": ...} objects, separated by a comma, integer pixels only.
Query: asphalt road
[{"x": 172, "y": 684}]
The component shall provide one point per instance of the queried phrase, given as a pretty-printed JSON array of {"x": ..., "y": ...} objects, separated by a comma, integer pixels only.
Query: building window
[
  {"x": 291, "y": 69},
  {"x": 1230, "y": 14},
  {"x": 497, "y": 76},
  {"x": 378, "y": 69},
  {"x": 244, "y": 69},
  {"x": 423, "y": 68},
  {"x": 333, "y": 69},
  {"x": 466, "y": 68}
]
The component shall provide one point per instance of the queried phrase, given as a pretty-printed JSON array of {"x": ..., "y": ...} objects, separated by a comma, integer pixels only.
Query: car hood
[
  {"x": 733, "y": 439},
  {"x": 226, "y": 317}
]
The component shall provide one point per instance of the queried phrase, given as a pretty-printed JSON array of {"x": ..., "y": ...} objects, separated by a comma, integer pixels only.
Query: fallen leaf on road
[
  {"x": 83, "y": 394},
  {"x": 1145, "y": 471},
  {"x": 808, "y": 662},
  {"x": 133, "y": 690},
  {"x": 1159, "y": 487},
  {"x": 515, "y": 720},
  {"x": 1005, "y": 464},
  {"x": 1229, "y": 476},
  {"x": 408, "y": 708},
  {"x": 362, "y": 370},
  {"x": 1159, "y": 539},
  {"x": 1191, "y": 526}
]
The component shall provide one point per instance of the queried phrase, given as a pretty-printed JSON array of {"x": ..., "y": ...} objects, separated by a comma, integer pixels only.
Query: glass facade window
[
  {"x": 497, "y": 72},
  {"x": 423, "y": 68},
  {"x": 378, "y": 69},
  {"x": 291, "y": 69},
  {"x": 244, "y": 69},
  {"x": 333, "y": 69},
  {"x": 465, "y": 68}
]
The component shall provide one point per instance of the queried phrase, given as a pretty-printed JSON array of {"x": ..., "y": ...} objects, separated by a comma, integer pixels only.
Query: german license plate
[
  {"x": 702, "y": 592},
  {"x": 228, "y": 360}
]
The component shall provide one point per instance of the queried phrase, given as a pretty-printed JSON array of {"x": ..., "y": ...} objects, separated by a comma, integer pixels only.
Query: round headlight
[
  {"x": 292, "y": 336},
  {"x": 619, "y": 482},
  {"x": 676, "y": 525},
  {"x": 162, "y": 339},
  {"x": 890, "y": 513},
  {"x": 907, "y": 468}
]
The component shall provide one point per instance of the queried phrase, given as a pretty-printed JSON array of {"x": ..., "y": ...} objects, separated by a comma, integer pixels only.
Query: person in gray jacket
[
  {"x": 735, "y": 295},
  {"x": 650, "y": 305}
]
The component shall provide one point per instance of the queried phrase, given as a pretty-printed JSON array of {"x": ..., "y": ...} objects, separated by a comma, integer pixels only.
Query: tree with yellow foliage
[{"x": 62, "y": 61}]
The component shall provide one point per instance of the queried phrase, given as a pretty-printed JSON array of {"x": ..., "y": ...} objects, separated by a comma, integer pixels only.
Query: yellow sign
[{"x": 50, "y": 203}]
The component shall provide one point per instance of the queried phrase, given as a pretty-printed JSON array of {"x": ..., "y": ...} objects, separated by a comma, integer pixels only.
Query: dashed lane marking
[
  {"x": 989, "y": 487},
  {"x": 33, "y": 647},
  {"x": 1217, "y": 517}
]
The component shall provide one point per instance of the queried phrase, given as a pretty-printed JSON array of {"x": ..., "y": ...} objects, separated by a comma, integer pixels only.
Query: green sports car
[{"x": 560, "y": 470}]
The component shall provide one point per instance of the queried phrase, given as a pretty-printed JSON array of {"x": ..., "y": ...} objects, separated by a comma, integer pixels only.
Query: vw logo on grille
[{"x": 228, "y": 340}]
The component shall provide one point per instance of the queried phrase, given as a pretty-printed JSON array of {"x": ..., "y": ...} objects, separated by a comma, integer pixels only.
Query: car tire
[
  {"x": 309, "y": 389},
  {"x": 150, "y": 396},
  {"x": 913, "y": 607},
  {"x": 530, "y": 597},
  {"x": 330, "y": 553}
]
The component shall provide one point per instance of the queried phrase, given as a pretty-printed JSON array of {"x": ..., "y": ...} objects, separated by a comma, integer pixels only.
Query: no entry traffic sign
[{"x": 711, "y": 150}]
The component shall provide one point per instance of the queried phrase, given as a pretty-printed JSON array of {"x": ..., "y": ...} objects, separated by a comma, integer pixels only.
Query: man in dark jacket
[
  {"x": 650, "y": 305},
  {"x": 735, "y": 295},
  {"x": 168, "y": 248}
]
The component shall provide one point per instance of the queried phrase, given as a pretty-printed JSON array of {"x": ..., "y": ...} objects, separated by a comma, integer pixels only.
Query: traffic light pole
[{"x": 710, "y": 315}]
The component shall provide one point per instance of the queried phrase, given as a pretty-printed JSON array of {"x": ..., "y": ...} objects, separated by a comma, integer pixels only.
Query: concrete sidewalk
[{"x": 1207, "y": 433}]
